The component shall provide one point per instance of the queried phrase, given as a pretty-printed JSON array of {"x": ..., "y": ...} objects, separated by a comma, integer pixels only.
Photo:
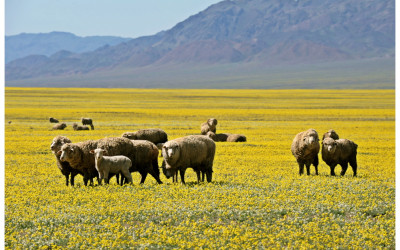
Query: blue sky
[{"x": 126, "y": 18}]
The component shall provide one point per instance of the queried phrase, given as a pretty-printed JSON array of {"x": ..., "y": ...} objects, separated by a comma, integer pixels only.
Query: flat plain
[{"x": 256, "y": 199}]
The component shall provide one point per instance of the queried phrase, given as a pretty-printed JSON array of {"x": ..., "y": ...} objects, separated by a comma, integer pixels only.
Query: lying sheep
[
  {"x": 117, "y": 164},
  {"x": 193, "y": 151},
  {"x": 53, "y": 120},
  {"x": 340, "y": 152},
  {"x": 155, "y": 135},
  {"x": 64, "y": 167},
  {"x": 305, "y": 148},
  {"x": 60, "y": 126},
  {"x": 210, "y": 125},
  {"x": 87, "y": 121},
  {"x": 332, "y": 134},
  {"x": 226, "y": 137},
  {"x": 76, "y": 127}
]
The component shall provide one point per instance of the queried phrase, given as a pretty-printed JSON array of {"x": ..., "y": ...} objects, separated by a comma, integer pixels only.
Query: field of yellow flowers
[{"x": 256, "y": 199}]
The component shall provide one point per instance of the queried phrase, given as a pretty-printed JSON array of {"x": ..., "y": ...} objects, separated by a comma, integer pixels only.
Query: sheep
[
  {"x": 145, "y": 159},
  {"x": 305, "y": 148},
  {"x": 53, "y": 120},
  {"x": 111, "y": 164},
  {"x": 155, "y": 135},
  {"x": 87, "y": 121},
  {"x": 78, "y": 156},
  {"x": 170, "y": 172},
  {"x": 76, "y": 127},
  {"x": 342, "y": 152},
  {"x": 210, "y": 125},
  {"x": 59, "y": 126},
  {"x": 194, "y": 151},
  {"x": 226, "y": 137},
  {"x": 332, "y": 134},
  {"x": 64, "y": 167}
]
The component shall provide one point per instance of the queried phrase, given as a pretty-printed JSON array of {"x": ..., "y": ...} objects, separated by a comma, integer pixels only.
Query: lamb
[
  {"x": 59, "y": 126},
  {"x": 194, "y": 151},
  {"x": 117, "y": 164},
  {"x": 77, "y": 127},
  {"x": 342, "y": 152},
  {"x": 332, "y": 134},
  {"x": 210, "y": 125},
  {"x": 53, "y": 120},
  {"x": 155, "y": 135},
  {"x": 226, "y": 137},
  {"x": 87, "y": 121},
  {"x": 305, "y": 148},
  {"x": 64, "y": 167}
]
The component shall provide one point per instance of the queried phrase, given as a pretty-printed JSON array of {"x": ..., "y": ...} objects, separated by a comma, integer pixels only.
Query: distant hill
[
  {"x": 244, "y": 35},
  {"x": 25, "y": 44}
]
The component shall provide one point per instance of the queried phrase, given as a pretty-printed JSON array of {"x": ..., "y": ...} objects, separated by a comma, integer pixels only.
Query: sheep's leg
[
  {"x": 198, "y": 176},
  {"x": 144, "y": 175},
  {"x": 333, "y": 170},
  {"x": 128, "y": 177},
  {"x": 209, "y": 175},
  {"x": 308, "y": 165},
  {"x": 117, "y": 177},
  {"x": 66, "y": 179},
  {"x": 202, "y": 175},
  {"x": 344, "y": 168},
  {"x": 106, "y": 179},
  {"x": 156, "y": 175},
  {"x": 182, "y": 175},
  {"x": 315, "y": 163},
  {"x": 353, "y": 164},
  {"x": 301, "y": 168}
]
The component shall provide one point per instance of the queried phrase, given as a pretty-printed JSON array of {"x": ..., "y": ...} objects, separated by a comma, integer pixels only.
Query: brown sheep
[
  {"x": 193, "y": 151},
  {"x": 87, "y": 121},
  {"x": 53, "y": 120},
  {"x": 332, "y": 134},
  {"x": 210, "y": 125},
  {"x": 59, "y": 126},
  {"x": 236, "y": 138},
  {"x": 155, "y": 135},
  {"x": 226, "y": 137},
  {"x": 305, "y": 148},
  {"x": 340, "y": 152},
  {"x": 64, "y": 167},
  {"x": 76, "y": 127}
]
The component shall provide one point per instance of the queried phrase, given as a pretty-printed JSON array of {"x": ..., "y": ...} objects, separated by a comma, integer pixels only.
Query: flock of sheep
[
  {"x": 138, "y": 152},
  {"x": 75, "y": 126},
  {"x": 305, "y": 148}
]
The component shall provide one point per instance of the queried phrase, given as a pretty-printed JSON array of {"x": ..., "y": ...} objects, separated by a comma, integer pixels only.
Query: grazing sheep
[
  {"x": 60, "y": 126},
  {"x": 64, "y": 167},
  {"x": 53, "y": 120},
  {"x": 117, "y": 164},
  {"x": 155, "y": 135},
  {"x": 226, "y": 137},
  {"x": 340, "y": 152},
  {"x": 87, "y": 121},
  {"x": 145, "y": 159},
  {"x": 210, "y": 125},
  {"x": 78, "y": 156},
  {"x": 332, "y": 134},
  {"x": 305, "y": 148},
  {"x": 193, "y": 151},
  {"x": 75, "y": 126}
]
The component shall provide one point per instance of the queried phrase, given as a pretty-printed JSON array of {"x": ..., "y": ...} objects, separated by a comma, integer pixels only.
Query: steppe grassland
[{"x": 256, "y": 199}]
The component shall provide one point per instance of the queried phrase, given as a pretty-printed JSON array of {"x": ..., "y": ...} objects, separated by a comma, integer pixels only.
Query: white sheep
[{"x": 111, "y": 164}]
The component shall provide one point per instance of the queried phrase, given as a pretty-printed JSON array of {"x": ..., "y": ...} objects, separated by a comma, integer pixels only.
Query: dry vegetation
[{"x": 256, "y": 199}]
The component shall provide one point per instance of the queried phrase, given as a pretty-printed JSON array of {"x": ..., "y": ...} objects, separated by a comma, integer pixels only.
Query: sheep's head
[
  {"x": 130, "y": 135},
  {"x": 69, "y": 152},
  {"x": 329, "y": 145},
  {"x": 211, "y": 135},
  {"x": 75, "y": 125},
  {"x": 310, "y": 138},
  {"x": 170, "y": 152},
  {"x": 63, "y": 125},
  {"x": 57, "y": 143},
  {"x": 98, "y": 153},
  {"x": 212, "y": 122},
  {"x": 167, "y": 172},
  {"x": 332, "y": 134}
]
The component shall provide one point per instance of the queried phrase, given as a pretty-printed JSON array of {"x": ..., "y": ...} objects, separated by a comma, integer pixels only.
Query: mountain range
[{"x": 237, "y": 41}]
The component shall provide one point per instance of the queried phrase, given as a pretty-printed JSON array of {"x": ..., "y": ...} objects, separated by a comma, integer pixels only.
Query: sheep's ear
[
  {"x": 92, "y": 151},
  {"x": 59, "y": 153},
  {"x": 105, "y": 152}
]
